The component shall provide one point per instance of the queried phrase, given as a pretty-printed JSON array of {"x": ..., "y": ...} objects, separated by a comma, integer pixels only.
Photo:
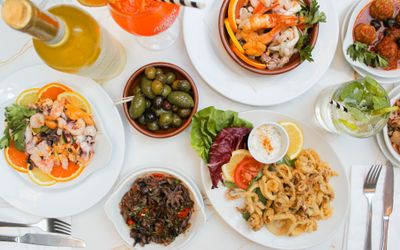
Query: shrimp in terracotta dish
[{"x": 266, "y": 34}]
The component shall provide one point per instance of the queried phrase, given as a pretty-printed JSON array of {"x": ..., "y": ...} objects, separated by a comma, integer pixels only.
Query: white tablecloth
[{"x": 94, "y": 227}]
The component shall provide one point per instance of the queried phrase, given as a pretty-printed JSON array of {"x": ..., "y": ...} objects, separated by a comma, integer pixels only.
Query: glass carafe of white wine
[{"x": 67, "y": 39}]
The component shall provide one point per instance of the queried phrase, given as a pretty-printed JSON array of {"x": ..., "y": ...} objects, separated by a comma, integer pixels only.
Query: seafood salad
[
  {"x": 266, "y": 34},
  {"x": 394, "y": 128},
  {"x": 50, "y": 134}
]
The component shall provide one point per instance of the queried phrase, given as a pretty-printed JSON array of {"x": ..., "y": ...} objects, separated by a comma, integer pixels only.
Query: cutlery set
[
  {"x": 370, "y": 183},
  {"x": 59, "y": 234}
]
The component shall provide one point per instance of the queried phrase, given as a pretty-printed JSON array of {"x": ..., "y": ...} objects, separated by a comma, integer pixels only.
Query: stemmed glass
[{"x": 153, "y": 22}]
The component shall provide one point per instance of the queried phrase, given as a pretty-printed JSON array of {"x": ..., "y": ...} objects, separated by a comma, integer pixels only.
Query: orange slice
[
  {"x": 64, "y": 175},
  {"x": 232, "y": 14},
  {"x": 77, "y": 100},
  {"x": 232, "y": 36},
  {"x": 40, "y": 178},
  {"x": 52, "y": 90},
  {"x": 27, "y": 97},
  {"x": 16, "y": 159},
  {"x": 247, "y": 60}
]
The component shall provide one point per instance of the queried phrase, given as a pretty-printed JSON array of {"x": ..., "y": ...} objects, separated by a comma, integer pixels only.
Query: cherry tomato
[
  {"x": 183, "y": 213},
  {"x": 131, "y": 222},
  {"x": 245, "y": 171},
  {"x": 158, "y": 176}
]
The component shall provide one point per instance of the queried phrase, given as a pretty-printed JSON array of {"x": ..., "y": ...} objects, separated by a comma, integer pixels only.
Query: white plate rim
[
  {"x": 107, "y": 176},
  {"x": 380, "y": 137},
  {"x": 255, "y": 101},
  {"x": 205, "y": 175}
]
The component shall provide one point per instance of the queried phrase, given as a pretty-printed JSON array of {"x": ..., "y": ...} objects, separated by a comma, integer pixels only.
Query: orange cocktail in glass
[{"x": 143, "y": 17}]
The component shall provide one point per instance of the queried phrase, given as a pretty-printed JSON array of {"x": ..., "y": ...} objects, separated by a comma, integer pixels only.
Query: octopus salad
[
  {"x": 157, "y": 208},
  {"x": 266, "y": 34}
]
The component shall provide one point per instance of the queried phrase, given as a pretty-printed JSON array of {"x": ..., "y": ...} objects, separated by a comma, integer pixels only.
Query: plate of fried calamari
[{"x": 270, "y": 177}]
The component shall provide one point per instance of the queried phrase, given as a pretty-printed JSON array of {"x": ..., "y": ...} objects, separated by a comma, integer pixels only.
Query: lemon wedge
[{"x": 296, "y": 139}]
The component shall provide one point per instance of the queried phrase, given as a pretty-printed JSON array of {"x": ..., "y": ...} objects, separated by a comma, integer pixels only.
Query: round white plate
[
  {"x": 102, "y": 147},
  {"x": 43, "y": 202},
  {"x": 391, "y": 75},
  {"x": 380, "y": 136},
  {"x": 326, "y": 228},
  {"x": 205, "y": 49},
  {"x": 197, "y": 221}
]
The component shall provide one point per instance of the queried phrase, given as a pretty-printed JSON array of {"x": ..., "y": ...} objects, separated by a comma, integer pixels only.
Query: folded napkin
[
  {"x": 11, "y": 214},
  {"x": 359, "y": 206}
]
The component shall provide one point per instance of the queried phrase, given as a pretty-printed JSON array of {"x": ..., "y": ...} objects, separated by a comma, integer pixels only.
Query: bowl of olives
[{"x": 164, "y": 100}]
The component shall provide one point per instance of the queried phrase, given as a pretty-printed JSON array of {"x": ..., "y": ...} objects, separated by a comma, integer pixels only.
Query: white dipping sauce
[{"x": 265, "y": 143}]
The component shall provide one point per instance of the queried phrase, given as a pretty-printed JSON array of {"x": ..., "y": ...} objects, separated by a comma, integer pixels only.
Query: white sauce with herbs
[{"x": 265, "y": 142}]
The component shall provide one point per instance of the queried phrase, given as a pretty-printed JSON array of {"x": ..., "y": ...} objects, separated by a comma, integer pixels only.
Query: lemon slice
[
  {"x": 40, "y": 178},
  {"x": 385, "y": 110},
  {"x": 228, "y": 169},
  {"x": 27, "y": 97},
  {"x": 76, "y": 100},
  {"x": 296, "y": 139}
]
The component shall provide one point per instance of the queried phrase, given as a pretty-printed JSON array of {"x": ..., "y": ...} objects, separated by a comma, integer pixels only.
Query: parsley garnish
[
  {"x": 312, "y": 14},
  {"x": 17, "y": 119},
  {"x": 360, "y": 52}
]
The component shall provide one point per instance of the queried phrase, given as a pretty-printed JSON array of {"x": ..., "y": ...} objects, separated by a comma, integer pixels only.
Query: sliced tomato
[{"x": 246, "y": 171}]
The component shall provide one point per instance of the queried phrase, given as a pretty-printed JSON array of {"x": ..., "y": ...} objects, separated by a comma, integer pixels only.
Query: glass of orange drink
[{"x": 153, "y": 22}]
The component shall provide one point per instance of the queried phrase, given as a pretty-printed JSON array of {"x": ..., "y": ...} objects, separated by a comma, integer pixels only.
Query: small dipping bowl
[{"x": 268, "y": 142}]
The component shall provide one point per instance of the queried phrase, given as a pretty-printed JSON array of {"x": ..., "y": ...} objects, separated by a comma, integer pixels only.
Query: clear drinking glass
[
  {"x": 153, "y": 22},
  {"x": 358, "y": 108}
]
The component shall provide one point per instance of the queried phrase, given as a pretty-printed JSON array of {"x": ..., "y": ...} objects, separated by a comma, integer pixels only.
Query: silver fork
[
  {"x": 50, "y": 225},
  {"x": 369, "y": 190}
]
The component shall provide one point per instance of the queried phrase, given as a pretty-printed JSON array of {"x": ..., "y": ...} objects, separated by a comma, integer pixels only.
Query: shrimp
[
  {"x": 267, "y": 38},
  {"x": 288, "y": 7},
  {"x": 64, "y": 161},
  {"x": 285, "y": 43},
  {"x": 267, "y": 21},
  {"x": 46, "y": 106},
  {"x": 76, "y": 128},
  {"x": 75, "y": 113},
  {"x": 254, "y": 48},
  {"x": 44, "y": 164},
  {"x": 36, "y": 120},
  {"x": 57, "y": 109}
]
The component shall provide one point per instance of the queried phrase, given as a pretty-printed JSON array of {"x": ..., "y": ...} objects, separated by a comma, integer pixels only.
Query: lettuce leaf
[{"x": 206, "y": 125}]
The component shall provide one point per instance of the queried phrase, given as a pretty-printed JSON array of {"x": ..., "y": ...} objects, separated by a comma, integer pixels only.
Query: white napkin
[
  {"x": 11, "y": 214},
  {"x": 358, "y": 211}
]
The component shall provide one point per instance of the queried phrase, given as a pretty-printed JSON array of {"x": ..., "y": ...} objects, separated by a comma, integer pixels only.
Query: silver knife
[
  {"x": 45, "y": 240},
  {"x": 387, "y": 203}
]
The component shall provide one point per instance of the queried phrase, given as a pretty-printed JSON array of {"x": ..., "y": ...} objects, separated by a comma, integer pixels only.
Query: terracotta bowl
[
  {"x": 135, "y": 80},
  {"x": 293, "y": 62}
]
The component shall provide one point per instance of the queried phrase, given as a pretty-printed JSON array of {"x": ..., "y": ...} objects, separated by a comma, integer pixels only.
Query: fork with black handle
[
  {"x": 50, "y": 225},
  {"x": 369, "y": 190}
]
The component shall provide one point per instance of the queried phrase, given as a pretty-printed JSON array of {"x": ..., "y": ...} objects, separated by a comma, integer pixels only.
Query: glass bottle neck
[{"x": 24, "y": 16}]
